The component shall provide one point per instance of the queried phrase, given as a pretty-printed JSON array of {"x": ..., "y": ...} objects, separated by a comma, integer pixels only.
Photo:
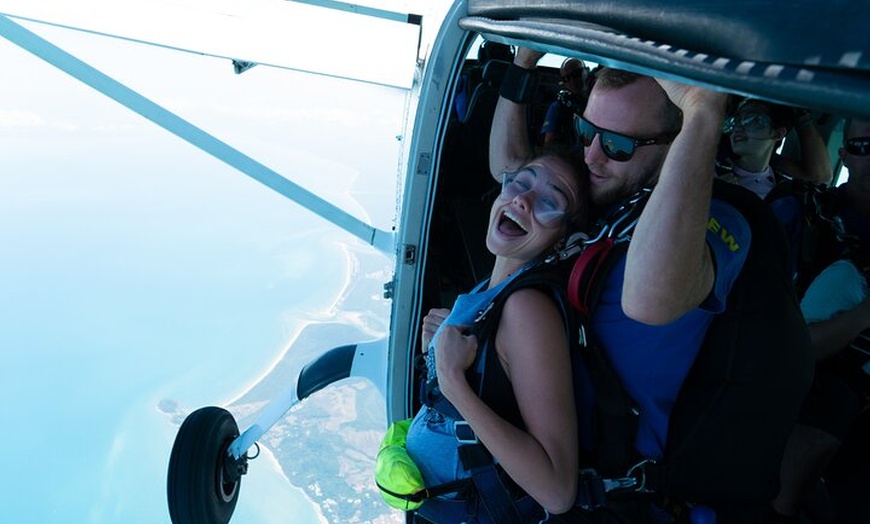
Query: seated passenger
[
  {"x": 837, "y": 308},
  {"x": 538, "y": 205},
  {"x": 558, "y": 127},
  {"x": 754, "y": 131}
]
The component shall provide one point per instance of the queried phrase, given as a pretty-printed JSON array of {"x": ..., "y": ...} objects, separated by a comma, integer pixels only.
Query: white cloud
[{"x": 20, "y": 119}]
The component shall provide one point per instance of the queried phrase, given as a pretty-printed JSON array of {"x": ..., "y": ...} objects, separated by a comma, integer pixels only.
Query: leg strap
[{"x": 492, "y": 493}]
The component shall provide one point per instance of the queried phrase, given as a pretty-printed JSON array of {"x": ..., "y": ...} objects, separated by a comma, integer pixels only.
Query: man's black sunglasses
[
  {"x": 858, "y": 146},
  {"x": 615, "y": 145}
]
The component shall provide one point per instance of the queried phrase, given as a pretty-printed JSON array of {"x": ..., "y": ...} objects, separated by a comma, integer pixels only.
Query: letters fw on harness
[{"x": 714, "y": 226}]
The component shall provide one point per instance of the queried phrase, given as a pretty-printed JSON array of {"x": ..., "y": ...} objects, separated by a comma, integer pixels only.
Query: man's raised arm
[{"x": 669, "y": 267}]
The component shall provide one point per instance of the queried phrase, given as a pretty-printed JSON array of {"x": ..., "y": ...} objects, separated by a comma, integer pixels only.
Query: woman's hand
[
  {"x": 431, "y": 323},
  {"x": 454, "y": 354}
]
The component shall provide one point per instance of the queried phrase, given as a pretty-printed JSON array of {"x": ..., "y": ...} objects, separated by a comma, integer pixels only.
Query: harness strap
[
  {"x": 586, "y": 269},
  {"x": 861, "y": 343},
  {"x": 617, "y": 416},
  {"x": 435, "y": 400},
  {"x": 456, "y": 486},
  {"x": 494, "y": 495}
]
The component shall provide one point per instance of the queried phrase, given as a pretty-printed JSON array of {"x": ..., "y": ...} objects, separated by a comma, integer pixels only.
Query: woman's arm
[
  {"x": 832, "y": 336},
  {"x": 509, "y": 145},
  {"x": 532, "y": 347}
]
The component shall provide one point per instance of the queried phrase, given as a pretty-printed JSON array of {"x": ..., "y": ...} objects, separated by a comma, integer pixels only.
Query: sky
[{"x": 136, "y": 268}]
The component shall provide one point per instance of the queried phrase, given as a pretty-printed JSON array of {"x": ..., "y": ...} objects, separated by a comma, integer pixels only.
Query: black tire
[{"x": 197, "y": 487}]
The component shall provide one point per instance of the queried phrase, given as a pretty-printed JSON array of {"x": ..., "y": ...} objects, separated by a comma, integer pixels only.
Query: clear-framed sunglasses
[
  {"x": 549, "y": 205},
  {"x": 747, "y": 122}
]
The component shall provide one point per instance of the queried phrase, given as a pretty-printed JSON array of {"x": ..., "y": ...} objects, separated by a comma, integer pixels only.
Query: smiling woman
[{"x": 143, "y": 278}]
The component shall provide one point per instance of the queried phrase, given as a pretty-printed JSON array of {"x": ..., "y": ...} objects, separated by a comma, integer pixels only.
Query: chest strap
[{"x": 586, "y": 271}]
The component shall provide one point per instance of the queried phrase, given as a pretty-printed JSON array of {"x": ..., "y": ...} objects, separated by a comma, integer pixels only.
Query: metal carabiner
[{"x": 640, "y": 466}]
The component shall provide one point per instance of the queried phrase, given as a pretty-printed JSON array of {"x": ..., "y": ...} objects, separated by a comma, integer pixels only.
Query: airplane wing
[
  {"x": 271, "y": 32},
  {"x": 275, "y": 33}
]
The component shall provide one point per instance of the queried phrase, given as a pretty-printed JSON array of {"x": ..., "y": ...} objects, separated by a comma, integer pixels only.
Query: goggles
[
  {"x": 747, "y": 122},
  {"x": 616, "y": 146},
  {"x": 858, "y": 146},
  {"x": 550, "y": 205}
]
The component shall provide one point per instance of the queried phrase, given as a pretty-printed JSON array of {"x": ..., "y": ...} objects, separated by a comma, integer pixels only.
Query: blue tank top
[{"x": 431, "y": 441}]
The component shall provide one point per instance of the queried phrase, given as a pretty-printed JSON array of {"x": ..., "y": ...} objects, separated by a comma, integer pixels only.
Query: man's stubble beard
[{"x": 627, "y": 189}]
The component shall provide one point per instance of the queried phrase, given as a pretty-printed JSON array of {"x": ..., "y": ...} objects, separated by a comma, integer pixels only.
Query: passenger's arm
[
  {"x": 830, "y": 336},
  {"x": 509, "y": 146},
  {"x": 814, "y": 164},
  {"x": 543, "y": 459},
  {"x": 669, "y": 268}
]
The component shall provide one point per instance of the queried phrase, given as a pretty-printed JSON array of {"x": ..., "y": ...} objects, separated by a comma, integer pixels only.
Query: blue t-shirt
[
  {"x": 652, "y": 361},
  {"x": 560, "y": 121},
  {"x": 554, "y": 121}
]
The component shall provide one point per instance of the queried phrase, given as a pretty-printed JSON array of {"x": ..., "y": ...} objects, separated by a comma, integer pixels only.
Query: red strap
[{"x": 584, "y": 272}]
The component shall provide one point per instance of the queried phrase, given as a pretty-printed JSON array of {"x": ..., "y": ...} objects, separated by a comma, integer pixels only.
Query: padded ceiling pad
[{"x": 806, "y": 53}]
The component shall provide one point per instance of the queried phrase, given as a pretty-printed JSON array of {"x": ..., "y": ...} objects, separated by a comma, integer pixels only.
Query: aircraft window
[
  {"x": 548, "y": 60},
  {"x": 144, "y": 278}
]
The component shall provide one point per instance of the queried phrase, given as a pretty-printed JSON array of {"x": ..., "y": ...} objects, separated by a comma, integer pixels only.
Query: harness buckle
[
  {"x": 619, "y": 484},
  {"x": 464, "y": 433},
  {"x": 638, "y": 473},
  {"x": 594, "y": 490},
  {"x": 591, "y": 493}
]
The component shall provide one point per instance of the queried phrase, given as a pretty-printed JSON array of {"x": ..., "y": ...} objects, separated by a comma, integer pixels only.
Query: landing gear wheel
[{"x": 203, "y": 482}]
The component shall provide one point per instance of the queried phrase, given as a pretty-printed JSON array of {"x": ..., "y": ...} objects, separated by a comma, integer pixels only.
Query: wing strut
[
  {"x": 18, "y": 35},
  {"x": 364, "y": 10},
  {"x": 365, "y": 359}
]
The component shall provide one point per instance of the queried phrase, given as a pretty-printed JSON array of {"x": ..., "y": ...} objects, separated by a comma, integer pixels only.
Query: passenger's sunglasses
[
  {"x": 747, "y": 122},
  {"x": 549, "y": 206},
  {"x": 615, "y": 145},
  {"x": 858, "y": 146}
]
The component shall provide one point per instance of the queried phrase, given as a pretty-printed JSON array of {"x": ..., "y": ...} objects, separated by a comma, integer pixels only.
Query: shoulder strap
[
  {"x": 785, "y": 186},
  {"x": 549, "y": 277},
  {"x": 589, "y": 271},
  {"x": 616, "y": 417}
]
